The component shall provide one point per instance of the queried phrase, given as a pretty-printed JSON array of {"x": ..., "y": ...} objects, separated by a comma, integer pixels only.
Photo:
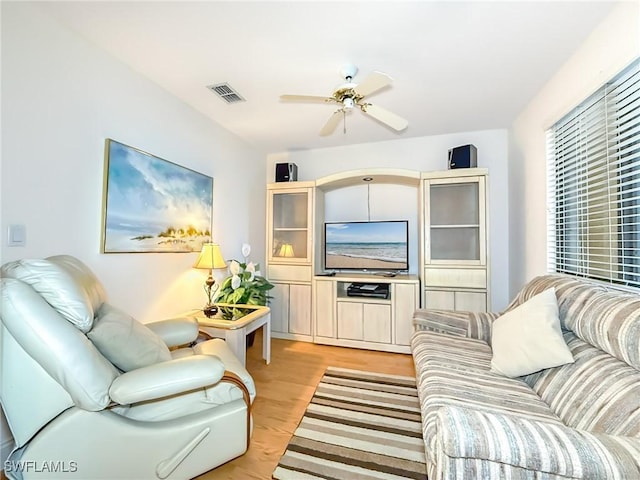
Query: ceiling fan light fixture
[{"x": 350, "y": 95}]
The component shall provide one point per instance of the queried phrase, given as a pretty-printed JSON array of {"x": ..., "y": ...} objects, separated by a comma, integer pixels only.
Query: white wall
[
  {"x": 61, "y": 97},
  {"x": 609, "y": 48},
  {"x": 420, "y": 154},
  {"x": 377, "y": 202}
]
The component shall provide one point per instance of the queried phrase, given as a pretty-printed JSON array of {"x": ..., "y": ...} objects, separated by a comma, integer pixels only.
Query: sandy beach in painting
[
  {"x": 120, "y": 242},
  {"x": 360, "y": 263}
]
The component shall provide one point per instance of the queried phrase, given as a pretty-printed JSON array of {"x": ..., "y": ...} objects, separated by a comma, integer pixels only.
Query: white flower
[
  {"x": 246, "y": 250},
  {"x": 234, "y": 268},
  {"x": 235, "y": 282},
  {"x": 251, "y": 268}
]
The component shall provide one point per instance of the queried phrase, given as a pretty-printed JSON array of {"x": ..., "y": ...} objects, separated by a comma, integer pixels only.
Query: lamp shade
[
  {"x": 210, "y": 257},
  {"x": 286, "y": 250}
]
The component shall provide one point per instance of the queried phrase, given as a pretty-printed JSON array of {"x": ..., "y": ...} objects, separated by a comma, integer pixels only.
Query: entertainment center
[
  {"x": 378, "y": 317},
  {"x": 350, "y": 283}
]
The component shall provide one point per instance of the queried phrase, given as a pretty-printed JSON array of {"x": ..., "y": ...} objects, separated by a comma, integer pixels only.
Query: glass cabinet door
[
  {"x": 290, "y": 226},
  {"x": 455, "y": 218}
]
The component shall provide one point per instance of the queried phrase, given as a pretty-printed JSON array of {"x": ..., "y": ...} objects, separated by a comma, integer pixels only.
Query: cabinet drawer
[
  {"x": 439, "y": 300},
  {"x": 455, "y": 277},
  {"x": 290, "y": 273},
  {"x": 471, "y": 301},
  {"x": 452, "y": 300}
]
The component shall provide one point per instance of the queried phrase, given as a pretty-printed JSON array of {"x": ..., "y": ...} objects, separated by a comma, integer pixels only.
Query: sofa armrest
[
  {"x": 175, "y": 331},
  {"x": 166, "y": 378},
  {"x": 441, "y": 321},
  {"x": 486, "y": 443},
  {"x": 458, "y": 323}
]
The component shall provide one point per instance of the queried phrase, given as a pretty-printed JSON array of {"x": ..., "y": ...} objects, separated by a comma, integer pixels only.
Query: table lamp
[
  {"x": 210, "y": 258},
  {"x": 286, "y": 250}
]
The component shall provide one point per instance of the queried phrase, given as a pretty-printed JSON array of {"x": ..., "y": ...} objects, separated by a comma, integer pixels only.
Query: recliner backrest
[
  {"x": 48, "y": 363},
  {"x": 84, "y": 277},
  {"x": 65, "y": 283}
]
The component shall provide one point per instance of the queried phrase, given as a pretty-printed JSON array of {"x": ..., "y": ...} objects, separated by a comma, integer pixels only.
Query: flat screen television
[{"x": 367, "y": 246}]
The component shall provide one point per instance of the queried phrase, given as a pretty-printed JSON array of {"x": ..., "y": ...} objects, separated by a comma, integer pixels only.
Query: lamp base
[{"x": 210, "y": 310}]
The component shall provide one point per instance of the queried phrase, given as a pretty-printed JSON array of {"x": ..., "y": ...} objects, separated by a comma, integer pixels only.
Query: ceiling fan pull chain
[{"x": 344, "y": 122}]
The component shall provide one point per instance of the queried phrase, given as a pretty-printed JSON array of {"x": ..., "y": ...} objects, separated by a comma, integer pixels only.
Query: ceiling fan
[{"x": 350, "y": 95}]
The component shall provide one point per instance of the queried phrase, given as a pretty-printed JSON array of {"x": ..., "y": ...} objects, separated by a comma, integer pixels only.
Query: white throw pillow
[
  {"x": 528, "y": 338},
  {"x": 126, "y": 343}
]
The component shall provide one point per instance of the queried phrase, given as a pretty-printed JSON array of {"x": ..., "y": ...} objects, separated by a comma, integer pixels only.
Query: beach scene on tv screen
[{"x": 366, "y": 246}]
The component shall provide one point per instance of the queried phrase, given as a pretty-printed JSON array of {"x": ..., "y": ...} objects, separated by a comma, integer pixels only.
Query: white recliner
[{"x": 89, "y": 392}]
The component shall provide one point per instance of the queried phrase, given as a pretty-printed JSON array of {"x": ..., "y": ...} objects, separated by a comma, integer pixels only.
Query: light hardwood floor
[{"x": 284, "y": 389}]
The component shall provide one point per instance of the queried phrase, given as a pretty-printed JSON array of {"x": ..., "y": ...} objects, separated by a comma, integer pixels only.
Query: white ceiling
[{"x": 457, "y": 66}]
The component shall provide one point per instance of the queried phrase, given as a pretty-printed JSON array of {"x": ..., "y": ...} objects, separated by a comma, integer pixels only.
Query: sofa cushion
[
  {"x": 598, "y": 392},
  {"x": 432, "y": 348},
  {"x": 57, "y": 286},
  {"x": 610, "y": 321},
  {"x": 488, "y": 446},
  {"x": 566, "y": 287},
  {"x": 453, "y": 371},
  {"x": 125, "y": 342},
  {"x": 528, "y": 338}
]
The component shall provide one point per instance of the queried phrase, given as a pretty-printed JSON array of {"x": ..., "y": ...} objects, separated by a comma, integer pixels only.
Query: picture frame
[{"x": 152, "y": 205}]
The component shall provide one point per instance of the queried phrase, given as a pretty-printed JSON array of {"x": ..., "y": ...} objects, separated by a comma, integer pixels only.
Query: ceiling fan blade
[
  {"x": 307, "y": 98},
  {"x": 372, "y": 83},
  {"x": 332, "y": 123},
  {"x": 385, "y": 116}
]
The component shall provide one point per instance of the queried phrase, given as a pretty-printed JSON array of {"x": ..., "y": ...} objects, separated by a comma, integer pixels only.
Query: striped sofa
[{"x": 576, "y": 421}]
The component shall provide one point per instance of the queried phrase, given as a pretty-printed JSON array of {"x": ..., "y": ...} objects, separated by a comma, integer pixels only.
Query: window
[{"x": 594, "y": 185}]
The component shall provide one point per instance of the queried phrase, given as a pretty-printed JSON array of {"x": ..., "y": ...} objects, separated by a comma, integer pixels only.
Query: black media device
[
  {"x": 286, "y": 172},
  {"x": 372, "y": 290},
  {"x": 465, "y": 156}
]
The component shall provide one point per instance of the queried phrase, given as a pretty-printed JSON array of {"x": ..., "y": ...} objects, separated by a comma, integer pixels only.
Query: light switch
[{"x": 17, "y": 236}]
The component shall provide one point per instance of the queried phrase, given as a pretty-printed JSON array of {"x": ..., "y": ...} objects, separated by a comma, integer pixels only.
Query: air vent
[{"x": 226, "y": 93}]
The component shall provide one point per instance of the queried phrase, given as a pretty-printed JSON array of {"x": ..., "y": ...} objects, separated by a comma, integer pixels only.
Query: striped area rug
[{"x": 359, "y": 425}]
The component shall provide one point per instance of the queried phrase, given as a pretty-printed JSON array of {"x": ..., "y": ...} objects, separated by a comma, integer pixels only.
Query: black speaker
[
  {"x": 286, "y": 172},
  {"x": 465, "y": 156}
]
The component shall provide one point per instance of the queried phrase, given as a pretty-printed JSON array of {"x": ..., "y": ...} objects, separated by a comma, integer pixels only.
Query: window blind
[{"x": 593, "y": 192}]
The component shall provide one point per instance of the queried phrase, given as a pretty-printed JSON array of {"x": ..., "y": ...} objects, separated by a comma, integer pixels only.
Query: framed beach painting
[{"x": 153, "y": 205}]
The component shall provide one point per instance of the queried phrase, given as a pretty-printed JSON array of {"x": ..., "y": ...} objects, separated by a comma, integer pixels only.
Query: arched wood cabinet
[{"x": 452, "y": 270}]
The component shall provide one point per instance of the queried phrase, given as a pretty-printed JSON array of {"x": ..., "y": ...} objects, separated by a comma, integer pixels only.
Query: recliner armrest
[
  {"x": 166, "y": 378},
  {"x": 175, "y": 331}
]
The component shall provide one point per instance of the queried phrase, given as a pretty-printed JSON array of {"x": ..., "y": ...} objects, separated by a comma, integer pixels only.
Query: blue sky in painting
[
  {"x": 146, "y": 194},
  {"x": 366, "y": 232}
]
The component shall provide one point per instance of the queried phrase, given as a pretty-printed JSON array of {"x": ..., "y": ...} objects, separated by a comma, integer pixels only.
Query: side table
[{"x": 248, "y": 319}]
